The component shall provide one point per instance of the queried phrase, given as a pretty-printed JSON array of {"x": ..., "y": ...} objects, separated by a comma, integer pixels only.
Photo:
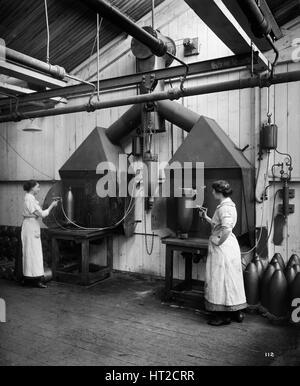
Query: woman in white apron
[
  {"x": 33, "y": 268},
  {"x": 224, "y": 284}
]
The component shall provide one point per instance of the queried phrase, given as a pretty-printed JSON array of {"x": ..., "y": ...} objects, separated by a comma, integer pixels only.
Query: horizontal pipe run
[
  {"x": 203, "y": 67},
  {"x": 106, "y": 10},
  {"x": 17, "y": 57},
  {"x": 171, "y": 94}
]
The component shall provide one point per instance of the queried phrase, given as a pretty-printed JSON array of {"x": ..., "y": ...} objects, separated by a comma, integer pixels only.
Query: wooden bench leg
[
  {"x": 109, "y": 252},
  {"x": 169, "y": 269},
  {"x": 85, "y": 255},
  {"x": 188, "y": 270},
  {"x": 55, "y": 256}
]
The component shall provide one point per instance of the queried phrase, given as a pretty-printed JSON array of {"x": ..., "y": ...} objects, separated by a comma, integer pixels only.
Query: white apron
[
  {"x": 224, "y": 284},
  {"x": 31, "y": 238}
]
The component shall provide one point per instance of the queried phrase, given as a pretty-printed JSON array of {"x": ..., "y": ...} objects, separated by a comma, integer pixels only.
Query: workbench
[
  {"x": 83, "y": 275},
  {"x": 189, "y": 248}
]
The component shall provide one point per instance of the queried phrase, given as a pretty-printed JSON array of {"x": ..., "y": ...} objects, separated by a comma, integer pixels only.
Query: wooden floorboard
[{"x": 122, "y": 321}]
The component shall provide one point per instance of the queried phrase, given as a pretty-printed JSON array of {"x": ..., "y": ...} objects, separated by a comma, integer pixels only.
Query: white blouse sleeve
[
  {"x": 33, "y": 206},
  {"x": 226, "y": 217}
]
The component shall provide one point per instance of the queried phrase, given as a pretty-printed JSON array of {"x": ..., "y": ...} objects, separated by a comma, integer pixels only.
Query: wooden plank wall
[{"x": 240, "y": 114}]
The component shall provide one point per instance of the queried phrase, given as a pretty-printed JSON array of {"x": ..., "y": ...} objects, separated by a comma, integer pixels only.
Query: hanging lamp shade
[{"x": 32, "y": 127}]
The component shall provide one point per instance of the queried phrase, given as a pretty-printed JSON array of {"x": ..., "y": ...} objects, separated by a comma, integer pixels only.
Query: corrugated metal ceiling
[{"x": 72, "y": 27}]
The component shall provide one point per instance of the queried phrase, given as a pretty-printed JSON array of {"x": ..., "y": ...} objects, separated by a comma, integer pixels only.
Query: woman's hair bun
[
  {"x": 28, "y": 185},
  {"x": 222, "y": 186}
]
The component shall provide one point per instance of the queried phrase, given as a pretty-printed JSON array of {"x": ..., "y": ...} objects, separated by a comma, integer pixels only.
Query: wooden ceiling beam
[{"x": 220, "y": 20}]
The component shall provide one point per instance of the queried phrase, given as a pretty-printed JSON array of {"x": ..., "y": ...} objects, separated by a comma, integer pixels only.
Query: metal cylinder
[
  {"x": 185, "y": 212},
  {"x": 264, "y": 291},
  {"x": 70, "y": 204},
  {"x": 278, "y": 294},
  {"x": 137, "y": 147},
  {"x": 251, "y": 283},
  {"x": 269, "y": 135}
]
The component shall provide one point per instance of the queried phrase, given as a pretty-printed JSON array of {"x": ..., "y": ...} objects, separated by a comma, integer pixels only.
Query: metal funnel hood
[
  {"x": 208, "y": 143},
  {"x": 95, "y": 148}
]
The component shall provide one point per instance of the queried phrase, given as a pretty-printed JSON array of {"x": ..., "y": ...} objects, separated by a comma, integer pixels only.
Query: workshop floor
[{"x": 122, "y": 321}]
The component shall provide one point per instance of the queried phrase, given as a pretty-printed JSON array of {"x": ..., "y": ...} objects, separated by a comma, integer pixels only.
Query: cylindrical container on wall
[
  {"x": 269, "y": 136},
  {"x": 185, "y": 212}
]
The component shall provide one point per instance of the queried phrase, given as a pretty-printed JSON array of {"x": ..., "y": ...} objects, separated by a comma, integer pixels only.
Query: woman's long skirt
[
  {"x": 32, "y": 248},
  {"x": 224, "y": 284}
]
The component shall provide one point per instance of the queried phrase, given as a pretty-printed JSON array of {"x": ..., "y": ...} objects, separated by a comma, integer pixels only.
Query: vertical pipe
[
  {"x": 98, "y": 59},
  {"x": 48, "y": 33},
  {"x": 153, "y": 6}
]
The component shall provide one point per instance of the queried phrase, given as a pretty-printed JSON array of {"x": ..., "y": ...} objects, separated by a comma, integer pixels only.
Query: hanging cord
[
  {"x": 98, "y": 55},
  {"x": 268, "y": 37},
  {"x": 127, "y": 212},
  {"x": 48, "y": 33},
  {"x": 152, "y": 13},
  {"x": 183, "y": 79},
  {"x": 269, "y": 114},
  {"x": 272, "y": 222},
  {"x": 28, "y": 163},
  {"x": 85, "y": 82},
  {"x": 149, "y": 251},
  {"x": 262, "y": 214}
]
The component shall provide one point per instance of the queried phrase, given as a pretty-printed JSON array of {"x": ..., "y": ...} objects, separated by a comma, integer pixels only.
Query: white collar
[{"x": 226, "y": 201}]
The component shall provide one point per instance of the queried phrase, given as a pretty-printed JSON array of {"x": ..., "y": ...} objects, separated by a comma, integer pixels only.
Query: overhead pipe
[
  {"x": 173, "y": 112},
  {"x": 177, "y": 114},
  {"x": 259, "y": 24},
  {"x": 157, "y": 46},
  {"x": 125, "y": 124},
  {"x": 25, "y": 60},
  {"x": 173, "y": 93}
]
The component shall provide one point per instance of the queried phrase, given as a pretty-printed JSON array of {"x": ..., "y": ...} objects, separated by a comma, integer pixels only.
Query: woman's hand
[
  {"x": 53, "y": 204},
  {"x": 203, "y": 214},
  {"x": 215, "y": 240}
]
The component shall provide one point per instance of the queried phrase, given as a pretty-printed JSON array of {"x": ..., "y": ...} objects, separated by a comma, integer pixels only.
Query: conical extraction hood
[
  {"x": 95, "y": 148},
  {"x": 208, "y": 143}
]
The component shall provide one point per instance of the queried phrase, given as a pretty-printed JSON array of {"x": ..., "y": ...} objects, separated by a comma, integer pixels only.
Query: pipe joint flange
[
  {"x": 162, "y": 48},
  {"x": 16, "y": 117},
  {"x": 60, "y": 72},
  {"x": 90, "y": 108},
  {"x": 57, "y": 71},
  {"x": 175, "y": 93}
]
